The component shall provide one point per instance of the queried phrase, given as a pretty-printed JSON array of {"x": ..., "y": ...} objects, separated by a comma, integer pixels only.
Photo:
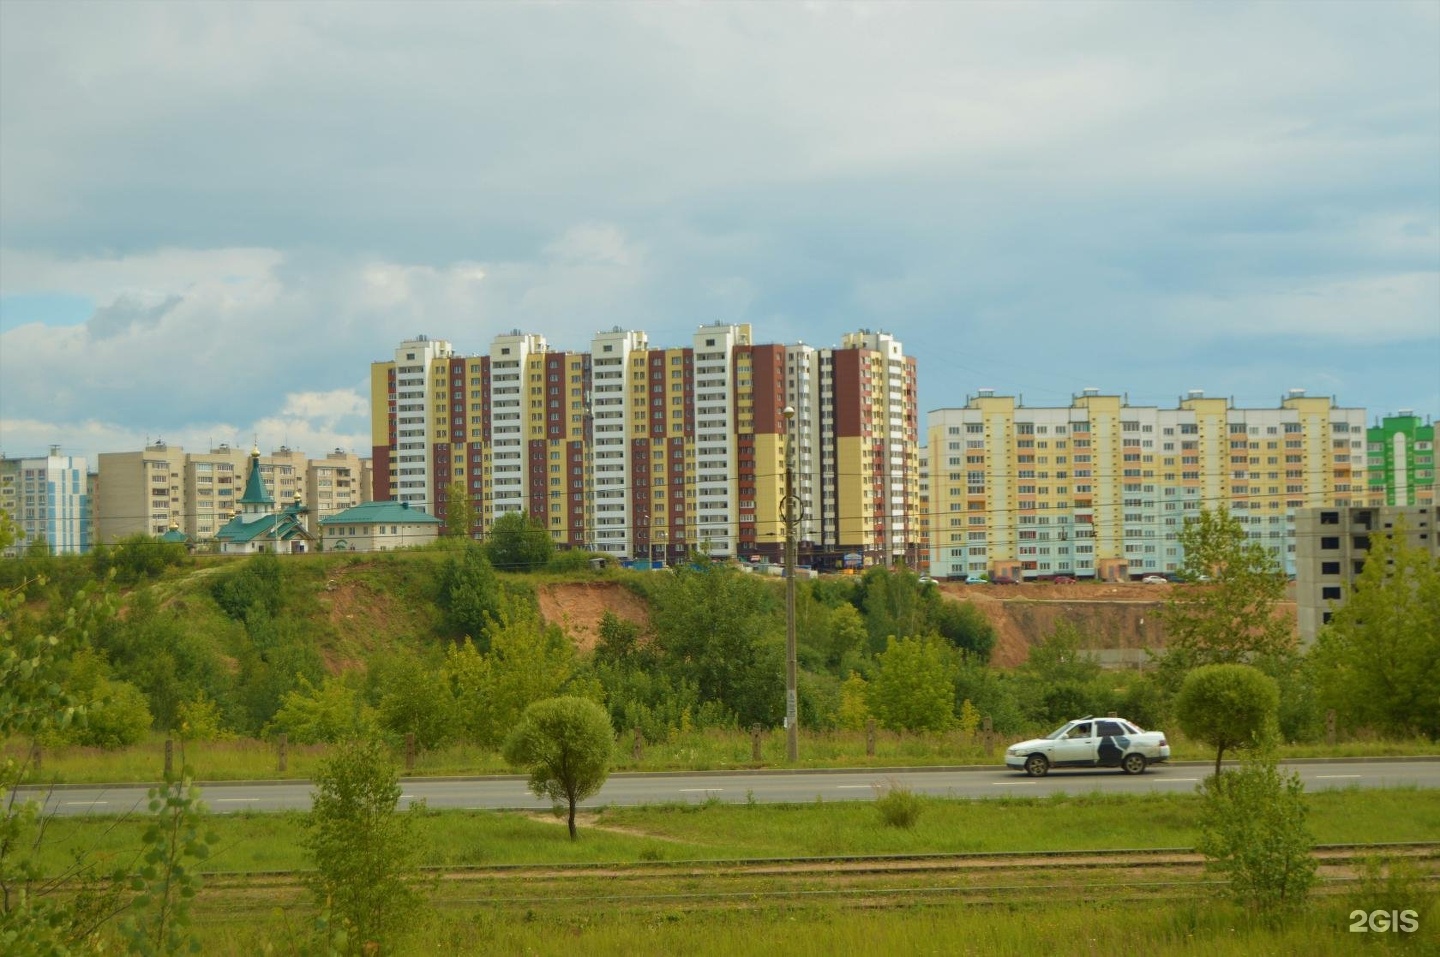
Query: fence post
[
  {"x": 169, "y": 759},
  {"x": 282, "y": 742},
  {"x": 35, "y": 755},
  {"x": 870, "y": 738},
  {"x": 988, "y": 726},
  {"x": 409, "y": 751},
  {"x": 755, "y": 743},
  {"x": 638, "y": 750},
  {"x": 1330, "y": 726}
]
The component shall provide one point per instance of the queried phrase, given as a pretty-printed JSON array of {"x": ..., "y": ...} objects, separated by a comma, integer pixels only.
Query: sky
[{"x": 215, "y": 216}]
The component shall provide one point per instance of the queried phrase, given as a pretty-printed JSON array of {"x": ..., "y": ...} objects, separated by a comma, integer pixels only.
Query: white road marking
[
  {"x": 232, "y": 800},
  {"x": 853, "y": 787},
  {"x": 1176, "y": 780},
  {"x": 84, "y": 803},
  {"x": 1337, "y": 775},
  {"x": 702, "y": 790}
]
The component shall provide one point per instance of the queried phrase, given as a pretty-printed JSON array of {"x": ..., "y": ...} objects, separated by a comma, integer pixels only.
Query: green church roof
[
  {"x": 255, "y": 493},
  {"x": 376, "y": 513}
]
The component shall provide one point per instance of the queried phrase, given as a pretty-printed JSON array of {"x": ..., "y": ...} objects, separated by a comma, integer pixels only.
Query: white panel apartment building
[
  {"x": 1102, "y": 488},
  {"x": 48, "y": 498}
]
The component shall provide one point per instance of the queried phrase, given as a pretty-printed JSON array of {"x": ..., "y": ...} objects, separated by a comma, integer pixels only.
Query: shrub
[{"x": 899, "y": 806}]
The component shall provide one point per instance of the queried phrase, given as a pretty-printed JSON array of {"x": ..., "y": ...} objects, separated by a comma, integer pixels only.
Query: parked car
[
  {"x": 926, "y": 580},
  {"x": 1004, "y": 580},
  {"x": 1090, "y": 743},
  {"x": 1063, "y": 580},
  {"x": 976, "y": 580},
  {"x": 1155, "y": 580}
]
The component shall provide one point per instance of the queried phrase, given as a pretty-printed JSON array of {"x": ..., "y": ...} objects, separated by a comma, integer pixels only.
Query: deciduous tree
[
  {"x": 460, "y": 511},
  {"x": 914, "y": 685},
  {"x": 1253, "y": 831},
  {"x": 1225, "y": 613},
  {"x": 1377, "y": 662},
  {"x": 566, "y": 745},
  {"x": 1227, "y": 707},
  {"x": 519, "y": 543},
  {"x": 364, "y": 851}
]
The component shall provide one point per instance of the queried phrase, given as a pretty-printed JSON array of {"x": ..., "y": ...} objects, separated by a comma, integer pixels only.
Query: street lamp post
[{"x": 790, "y": 515}]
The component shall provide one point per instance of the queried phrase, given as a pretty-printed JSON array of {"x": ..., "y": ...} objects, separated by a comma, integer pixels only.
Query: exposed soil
[{"x": 578, "y": 607}]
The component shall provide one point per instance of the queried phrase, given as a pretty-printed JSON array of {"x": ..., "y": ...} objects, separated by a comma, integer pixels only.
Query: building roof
[
  {"x": 283, "y": 526},
  {"x": 376, "y": 513},
  {"x": 173, "y": 534},
  {"x": 255, "y": 493}
]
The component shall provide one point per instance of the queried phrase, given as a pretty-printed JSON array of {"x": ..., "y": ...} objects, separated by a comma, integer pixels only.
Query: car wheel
[
  {"x": 1037, "y": 765},
  {"x": 1133, "y": 763}
]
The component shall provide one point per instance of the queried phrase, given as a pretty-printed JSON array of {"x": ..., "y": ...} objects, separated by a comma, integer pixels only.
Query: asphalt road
[{"x": 764, "y": 786}]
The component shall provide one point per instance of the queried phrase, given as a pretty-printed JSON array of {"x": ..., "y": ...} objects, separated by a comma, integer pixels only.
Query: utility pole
[{"x": 790, "y": 515}]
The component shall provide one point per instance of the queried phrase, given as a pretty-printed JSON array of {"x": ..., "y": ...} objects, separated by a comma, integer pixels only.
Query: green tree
[
  {"x": 166, "y": 879},
  {"x": 1230, "y": 618},
  {"x": 960, "y": 623},
  {"x": 914, "y": 685},
  {"x": 256, "y": 583},
  {"x": 1227, "y": 707},
  {"x": 333, "y": 711},
  {"x": 1377, "y": 662},
  {"x": 461, "y": 515},
  {"x": 35, "y": 702},
  {"x": 364, "y": 852},
  {"x": 1253, "y": 831},
  {"x": 721, "y": 631},
  {"x": 140, "y": 556},
  {"x": 519, "y": 543},
  {"x": 527, "y": 661},
  {"x": 566, "y": 745},
  {"x": 1057, "y": 681},
  {"x": 854, "y": 703},
  {"x": 412, "y": 701},
  {"x": 469, "y": 592}
]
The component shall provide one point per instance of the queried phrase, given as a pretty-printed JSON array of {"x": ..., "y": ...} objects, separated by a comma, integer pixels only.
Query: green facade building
[{"x": 1401, "y": 461}]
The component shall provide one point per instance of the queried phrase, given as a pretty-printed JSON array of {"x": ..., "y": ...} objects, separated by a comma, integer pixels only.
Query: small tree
[
  {"x": 914, "y": 685},
  {"x": 364, "y": 852},
  {"x": 566, "y": 744},
  {"x": 519, "y": 543},
  {"x": 460, "y": 511},
  {"x": 1253, "y": 831},
  {"x": 1227, "y": 706},
  {"x": 165, "y": 878}
]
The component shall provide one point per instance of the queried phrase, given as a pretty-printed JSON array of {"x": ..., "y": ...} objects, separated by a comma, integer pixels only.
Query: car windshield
[{"x": 1059, "y": 732}]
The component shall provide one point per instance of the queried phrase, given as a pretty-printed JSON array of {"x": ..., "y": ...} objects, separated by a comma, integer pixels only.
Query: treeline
[{"x": 246, "y": 654}]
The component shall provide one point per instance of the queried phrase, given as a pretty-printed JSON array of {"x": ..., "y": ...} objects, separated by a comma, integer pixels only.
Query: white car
[
  {"x": 1090, "y": 743},
  {"x": 1155, "y": 580}
]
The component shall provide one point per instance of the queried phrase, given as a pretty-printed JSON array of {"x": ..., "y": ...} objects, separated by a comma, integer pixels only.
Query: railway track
[{"x": 877, "y": 881}]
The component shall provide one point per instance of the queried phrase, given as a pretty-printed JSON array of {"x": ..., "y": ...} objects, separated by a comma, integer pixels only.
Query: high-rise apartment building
[
  {"x": 48, "y": 499},
  {"x": 1401, "y": 461},
  {"x": 642, "y": 451},
  {"x": 1331, "y": 547},
  {"x": 1102, "y": 488}
]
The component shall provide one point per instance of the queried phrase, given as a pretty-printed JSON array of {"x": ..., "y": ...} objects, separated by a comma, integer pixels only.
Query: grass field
[
  {"x": 643, "y": 885},
  {"x": 719, "y": 831}
]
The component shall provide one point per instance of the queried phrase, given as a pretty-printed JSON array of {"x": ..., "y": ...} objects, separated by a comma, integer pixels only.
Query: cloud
[{"x": 261, "y": 200}]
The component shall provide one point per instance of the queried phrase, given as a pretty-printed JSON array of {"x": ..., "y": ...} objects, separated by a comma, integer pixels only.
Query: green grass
[
  {"x": 716, "y": 831},
  {"x": 1183, "y": 929}
]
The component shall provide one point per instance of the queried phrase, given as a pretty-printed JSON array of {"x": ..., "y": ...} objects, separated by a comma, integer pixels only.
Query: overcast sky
[{"x": 214, "y": 216}]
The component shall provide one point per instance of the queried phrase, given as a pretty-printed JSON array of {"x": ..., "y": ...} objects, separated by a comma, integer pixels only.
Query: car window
[
  {"x": 1080, "y": 731},
  {"x": 1131, "y": 728},
  {"x": 1110, "y": 729},
  {"x": 1059, "y": 732}
]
